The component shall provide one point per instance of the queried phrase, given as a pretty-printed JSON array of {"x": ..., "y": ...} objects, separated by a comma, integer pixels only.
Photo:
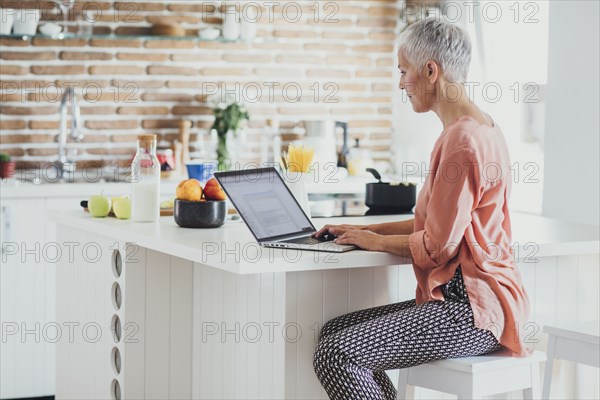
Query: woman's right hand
[{"x": 337, "y": 230}]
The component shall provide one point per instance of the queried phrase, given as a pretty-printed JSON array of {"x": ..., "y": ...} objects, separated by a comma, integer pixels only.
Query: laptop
[{"x": 272, "y": 213}]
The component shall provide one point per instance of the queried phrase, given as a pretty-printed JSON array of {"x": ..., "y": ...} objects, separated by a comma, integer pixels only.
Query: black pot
[
  {"x": 200, "y": 214},
  {"x": 385, "y": 198}
]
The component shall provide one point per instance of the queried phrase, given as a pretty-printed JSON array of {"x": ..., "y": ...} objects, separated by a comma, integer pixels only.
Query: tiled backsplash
[{"x": 311, "y": 60}]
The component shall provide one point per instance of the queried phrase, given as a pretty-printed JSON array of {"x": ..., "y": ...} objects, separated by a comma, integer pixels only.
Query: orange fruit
[{"x": 190, "y": 190}]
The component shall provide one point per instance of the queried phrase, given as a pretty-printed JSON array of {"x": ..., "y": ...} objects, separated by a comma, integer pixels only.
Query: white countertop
[
  {"x": 13, "y": 188},
  {"x": 233, "y": 248}
]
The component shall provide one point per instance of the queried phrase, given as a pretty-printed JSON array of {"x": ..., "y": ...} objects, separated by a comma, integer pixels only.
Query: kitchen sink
[
  {"x": 38, "y": 181},
  {"x": 50, "y": 176}
]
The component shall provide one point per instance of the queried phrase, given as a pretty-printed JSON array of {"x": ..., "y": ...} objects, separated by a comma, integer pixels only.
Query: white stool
[
  {"x": 579, "y": 342},
  {"x": 474, "y": 377}
]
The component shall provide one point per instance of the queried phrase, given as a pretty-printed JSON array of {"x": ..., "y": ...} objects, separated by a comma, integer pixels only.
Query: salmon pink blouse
[{"x": 462, "y": 218}]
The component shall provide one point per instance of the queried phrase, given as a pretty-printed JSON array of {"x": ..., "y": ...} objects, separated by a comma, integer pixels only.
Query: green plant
[
  {"x": 4, "y": 157},
  {"x": 227, "y": 118}
]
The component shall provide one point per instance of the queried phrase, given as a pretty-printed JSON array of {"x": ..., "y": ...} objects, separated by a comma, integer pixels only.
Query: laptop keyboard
[{"x": 309, "y": 240}]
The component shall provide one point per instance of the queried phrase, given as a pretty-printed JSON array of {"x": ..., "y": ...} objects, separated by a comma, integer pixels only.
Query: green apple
[
  {"x": 99, "y": 206},
  {"x": 114, "y": 199},
  {"x": 122, "y": 207}
]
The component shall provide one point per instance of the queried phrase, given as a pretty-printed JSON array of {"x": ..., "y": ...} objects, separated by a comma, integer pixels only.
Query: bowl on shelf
[
  {"x": 200, "y": 214},
  {"x": 50, "y": 28},
  {"x": 209, "y": 33}
]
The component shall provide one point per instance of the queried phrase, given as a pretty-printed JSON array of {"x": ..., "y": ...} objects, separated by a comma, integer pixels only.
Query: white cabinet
[
  {"x": 28, "y": 281},
  {"x": 25, "y": 282}
]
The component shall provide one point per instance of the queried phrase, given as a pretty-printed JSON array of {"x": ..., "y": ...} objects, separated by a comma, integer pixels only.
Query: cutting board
[{"x": 164, "y": 212}]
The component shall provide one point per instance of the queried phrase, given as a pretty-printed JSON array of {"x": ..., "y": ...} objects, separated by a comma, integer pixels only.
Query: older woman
[{"x": 469, "y": 297}]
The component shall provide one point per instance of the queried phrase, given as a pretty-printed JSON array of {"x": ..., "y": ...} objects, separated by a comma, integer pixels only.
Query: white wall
[
  {"x": 414, "y": 136},
  {"x": 572, "y": 170}
]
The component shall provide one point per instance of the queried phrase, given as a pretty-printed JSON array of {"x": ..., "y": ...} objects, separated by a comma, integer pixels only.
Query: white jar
[
  {"x": 26, "y": 22},
  {"x": 7, "y": 18},
  {"x": 231, "y": 24},
  {"x": 249, "y": 23},
  {"x": 296, "y": 182}
]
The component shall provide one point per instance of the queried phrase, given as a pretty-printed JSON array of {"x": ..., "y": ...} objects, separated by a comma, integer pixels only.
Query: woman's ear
[{"x": 432, "y": 71}]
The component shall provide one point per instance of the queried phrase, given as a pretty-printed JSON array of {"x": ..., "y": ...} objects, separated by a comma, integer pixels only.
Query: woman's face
[{"x": 420, "y": 88}]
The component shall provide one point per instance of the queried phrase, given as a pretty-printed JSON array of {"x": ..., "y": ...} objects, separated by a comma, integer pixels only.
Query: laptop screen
[{"x": 265, "y": 203}]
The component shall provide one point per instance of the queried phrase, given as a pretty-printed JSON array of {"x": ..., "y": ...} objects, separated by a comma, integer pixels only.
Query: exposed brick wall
[{"x": 137, "y": 85}]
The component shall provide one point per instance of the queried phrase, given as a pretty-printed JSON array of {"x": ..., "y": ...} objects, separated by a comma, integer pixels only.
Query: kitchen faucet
[{"x": 76, "y": 134}]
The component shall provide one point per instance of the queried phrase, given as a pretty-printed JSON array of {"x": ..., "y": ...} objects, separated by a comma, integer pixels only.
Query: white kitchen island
[{"x": 209, "y": 314}]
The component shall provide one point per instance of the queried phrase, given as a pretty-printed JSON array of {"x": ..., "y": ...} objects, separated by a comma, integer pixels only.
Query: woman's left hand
[{"x": 366, "y": 240}]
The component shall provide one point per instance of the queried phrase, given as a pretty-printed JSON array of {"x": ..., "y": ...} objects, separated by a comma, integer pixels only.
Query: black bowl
[{"x": 200, "y": 214}]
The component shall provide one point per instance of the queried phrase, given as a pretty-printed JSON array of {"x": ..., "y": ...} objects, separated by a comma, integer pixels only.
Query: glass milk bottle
[{"x": 145, "y": 178}]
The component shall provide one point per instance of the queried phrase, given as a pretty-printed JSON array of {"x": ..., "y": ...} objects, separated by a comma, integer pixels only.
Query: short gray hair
[{"x": 445, "y": 43}]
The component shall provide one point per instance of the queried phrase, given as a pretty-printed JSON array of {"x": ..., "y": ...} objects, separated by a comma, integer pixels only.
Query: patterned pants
[{"x": 355, "y": 349}]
